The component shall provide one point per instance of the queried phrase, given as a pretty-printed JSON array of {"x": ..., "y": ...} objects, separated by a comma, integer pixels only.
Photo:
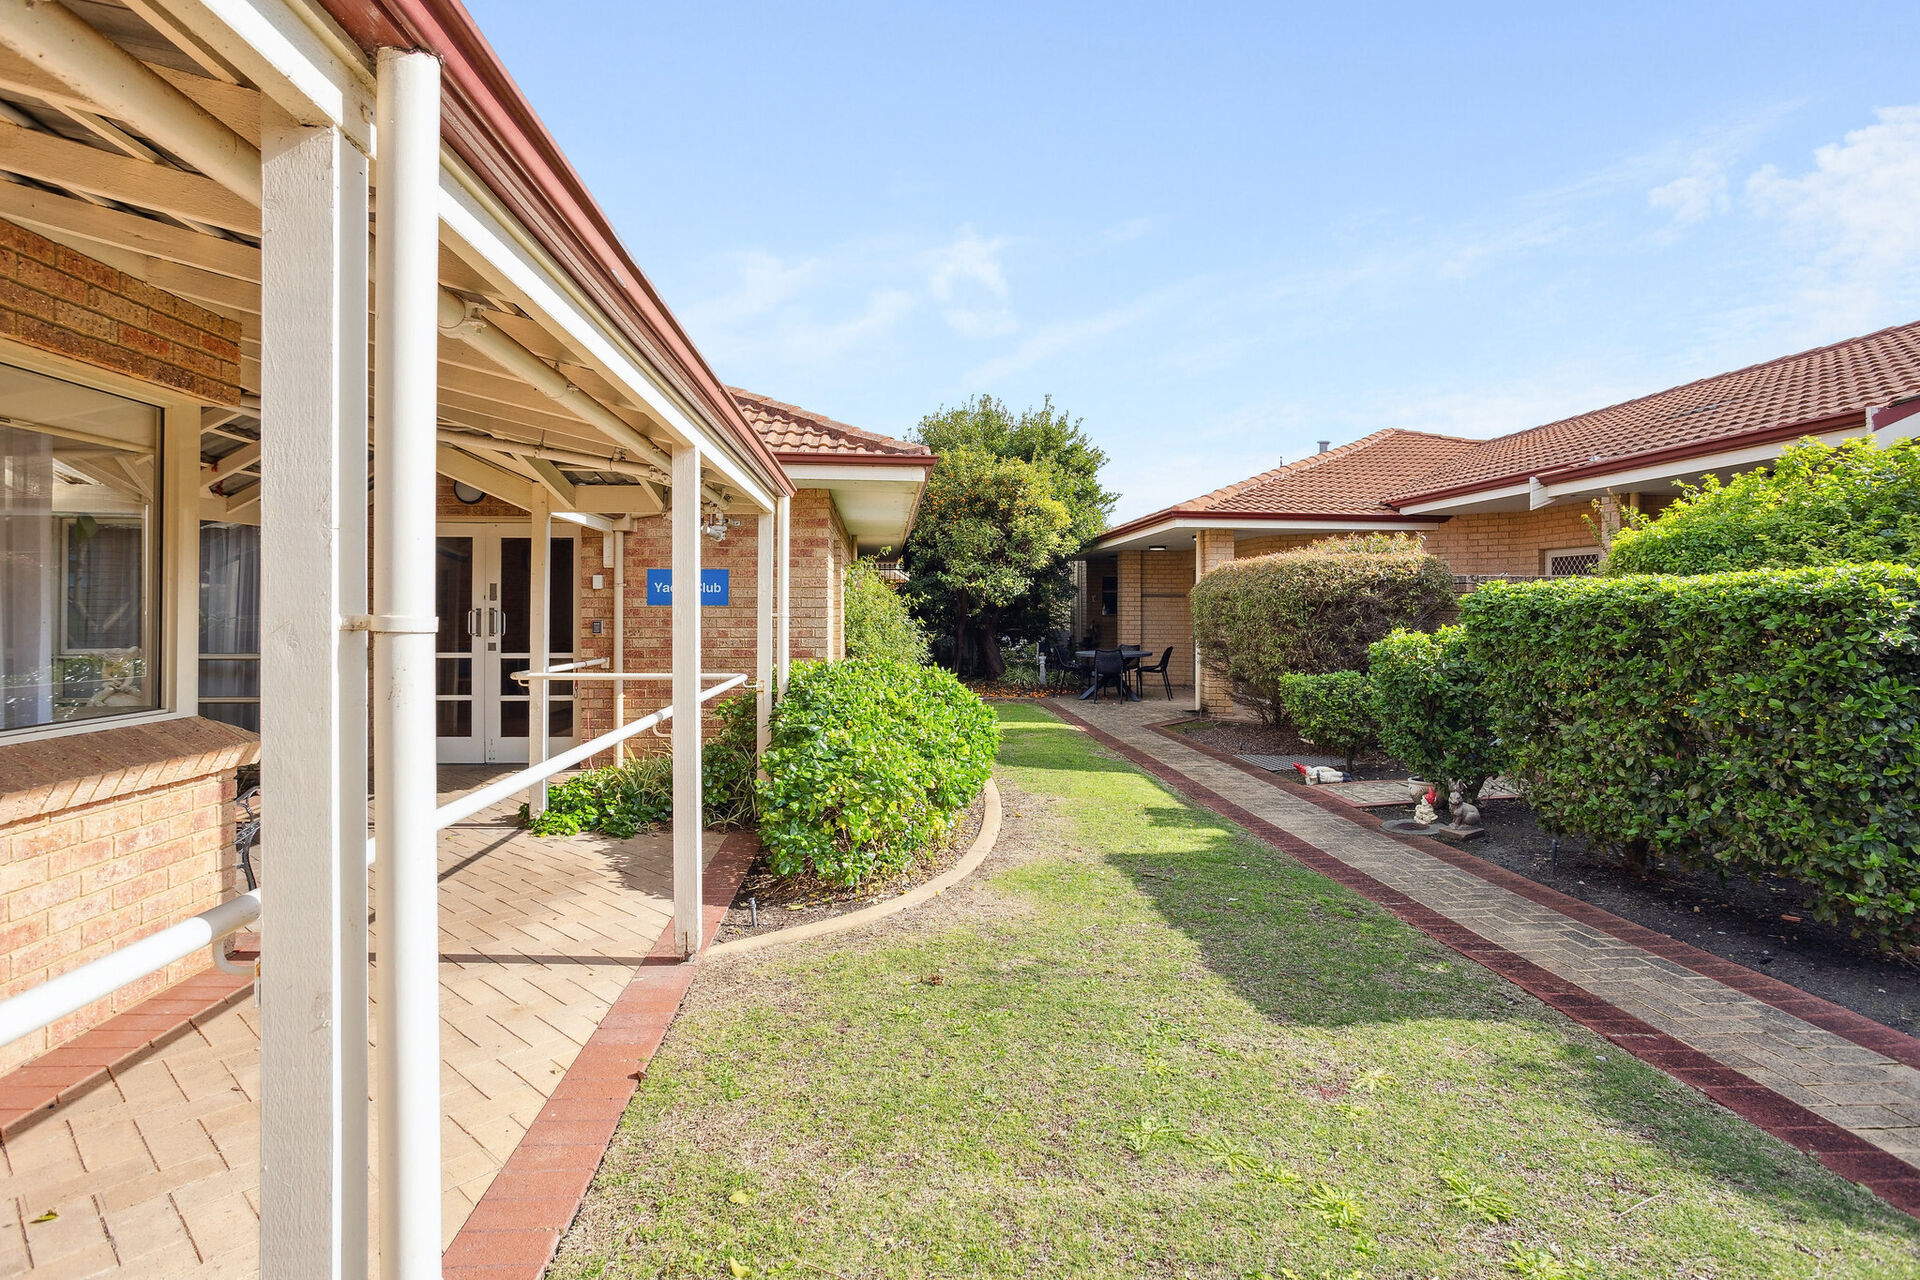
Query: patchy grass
[{"x": 1148, "y": 1045}]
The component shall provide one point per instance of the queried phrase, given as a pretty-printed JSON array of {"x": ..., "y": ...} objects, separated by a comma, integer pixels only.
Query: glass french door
[{"x": 483, "y": 580}]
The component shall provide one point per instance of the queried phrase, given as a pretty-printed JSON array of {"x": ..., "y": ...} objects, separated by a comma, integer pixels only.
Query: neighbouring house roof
[
  {"x": 794, "y": 434},
  {"x": 1352, "y": 480},
  {"x": 1785, "y": 398}
]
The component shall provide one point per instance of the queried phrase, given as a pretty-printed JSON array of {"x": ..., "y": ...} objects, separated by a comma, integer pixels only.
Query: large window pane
[{"x": 78, "y": 470}]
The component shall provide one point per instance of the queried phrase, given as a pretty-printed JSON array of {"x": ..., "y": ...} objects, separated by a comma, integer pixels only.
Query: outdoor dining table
[{"x": 1131, "y": 652}]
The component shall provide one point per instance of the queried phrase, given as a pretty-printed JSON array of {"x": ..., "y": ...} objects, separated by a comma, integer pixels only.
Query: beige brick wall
[
  {"x": 1154, "y": 610},
  {"x": 1215, "y": 547},
  {"x": 92, "y": 861},
  {"x": 65, "y": 302},
  {"x": 1510, "y": 541}
]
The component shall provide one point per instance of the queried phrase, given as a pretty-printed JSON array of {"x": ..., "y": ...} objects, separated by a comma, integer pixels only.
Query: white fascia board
[
  {"x": 500, "y": 246},
  {"x": 1464, "y": 501},
  {"x": 295, "y": 54},
  {"x": 1663, "y": 474},
  {"x": 810, "y": 475}
]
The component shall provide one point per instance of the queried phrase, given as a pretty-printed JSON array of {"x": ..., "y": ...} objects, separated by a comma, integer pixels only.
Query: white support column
[
  {"x": 619, "y": 537},
  {"x": 763, "y": 636},
  {"x": 539, "y": 634},
  {"x": 313, "y": 708},
  {"x": 687, "y": 861},
  {"x": 783, "y": 646},
  {"x": 1199, "y": 572},
  {"x": 406, "y": 875}
]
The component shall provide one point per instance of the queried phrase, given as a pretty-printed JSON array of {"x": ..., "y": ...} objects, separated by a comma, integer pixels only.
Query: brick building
[{"x": 1536, "y": 503}]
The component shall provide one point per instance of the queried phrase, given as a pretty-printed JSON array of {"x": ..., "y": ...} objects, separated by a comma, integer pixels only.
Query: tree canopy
[{"x": 1012, "y": 498}]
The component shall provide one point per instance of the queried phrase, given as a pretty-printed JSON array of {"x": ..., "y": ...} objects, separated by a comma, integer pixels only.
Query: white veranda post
[
  {"x": 406, "y": 396},
  {"x": 313, "y": 710},
  {"x": 539, "y": 631},
  {"x": 687, "y": 712},
  {"x": 763, "y": 634},
  {"x": 783, "y": 647}
]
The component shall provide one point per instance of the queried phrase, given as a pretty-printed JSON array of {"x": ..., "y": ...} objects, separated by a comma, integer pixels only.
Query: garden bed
[
  {"x": 1249, "y": 737},
  {"x": 783, "y": 902},
  {"x": 1762, "y": 924}
]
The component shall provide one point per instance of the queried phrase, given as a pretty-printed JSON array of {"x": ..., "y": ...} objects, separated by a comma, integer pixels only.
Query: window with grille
[{"x": 1568, "y": 564}]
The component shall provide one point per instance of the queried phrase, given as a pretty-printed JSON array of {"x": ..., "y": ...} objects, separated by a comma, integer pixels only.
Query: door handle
[
  {"x": 473, "y": 622},
  {"x": 496, "y": 622}
]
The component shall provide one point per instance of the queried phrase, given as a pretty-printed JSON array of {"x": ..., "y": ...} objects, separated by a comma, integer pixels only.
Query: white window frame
[
  {"x": 175, "y": 619},
  {"x": 1550, "y": 555}
]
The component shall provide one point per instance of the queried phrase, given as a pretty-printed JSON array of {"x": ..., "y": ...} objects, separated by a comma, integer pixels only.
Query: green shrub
[
  {"x": 871, "y": 763},
  {"x": 624, "y": 799},
  {"x": 1316, "y": 609},
  {"x": 877, "y": 622},
  {"x": 1818, "y": 504},
  {"x": 1757, "y": 722},
  {"x": 1432, "y": 710},
  {"x": 1333, "y": 711}
]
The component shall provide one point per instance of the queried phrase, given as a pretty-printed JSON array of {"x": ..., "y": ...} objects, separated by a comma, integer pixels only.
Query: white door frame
[{"x": 487, "y": 623}]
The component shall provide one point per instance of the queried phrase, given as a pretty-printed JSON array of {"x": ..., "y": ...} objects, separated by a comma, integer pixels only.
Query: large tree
[{"x": 1030, "y": 576}]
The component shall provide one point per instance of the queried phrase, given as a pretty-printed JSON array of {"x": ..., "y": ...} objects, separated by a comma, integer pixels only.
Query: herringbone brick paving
[
  {"x": 1862, "y": 1091},
  {"x": 154, "y": 1172}
]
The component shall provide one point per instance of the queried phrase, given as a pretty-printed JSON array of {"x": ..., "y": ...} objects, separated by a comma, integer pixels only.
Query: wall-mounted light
[
  {"x": 715, "y": 525},
  {"x": 467, "y": 493}
]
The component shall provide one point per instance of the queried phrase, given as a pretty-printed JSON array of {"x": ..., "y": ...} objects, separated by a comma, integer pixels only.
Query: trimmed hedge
[
  {"x": 1432, "y": 708},
  {"x": 1818, "y": 504},
  {"x": 1315, "y": 609},
  {"x": 1332, "y": 710},
  {"x": 1763, "y": 722},
  {"x": 871, "y": 763}
]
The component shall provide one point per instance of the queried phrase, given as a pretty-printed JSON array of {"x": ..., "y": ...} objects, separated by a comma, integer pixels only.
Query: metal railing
[{"x": 70, "y": 992}]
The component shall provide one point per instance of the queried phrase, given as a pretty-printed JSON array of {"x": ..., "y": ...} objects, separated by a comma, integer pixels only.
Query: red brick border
[
  {"x": 513, "y": 1232},
  {"x": 1843, "y": 1152},
  {"x": 29, "y": 1092},
  {"x": 1826, "y": 1015}
]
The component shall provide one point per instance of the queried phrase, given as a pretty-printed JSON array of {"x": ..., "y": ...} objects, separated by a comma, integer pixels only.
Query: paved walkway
[
  {"x": 1768, "y": 1062},
  {"x": 153, "y": 1171}
]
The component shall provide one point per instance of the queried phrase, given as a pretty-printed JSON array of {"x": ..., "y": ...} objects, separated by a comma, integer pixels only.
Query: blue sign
[{"x": 713, "y": 586}]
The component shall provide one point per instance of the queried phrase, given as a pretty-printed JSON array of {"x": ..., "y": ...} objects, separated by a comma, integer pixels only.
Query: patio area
[{"x": 153, "y": 1170}]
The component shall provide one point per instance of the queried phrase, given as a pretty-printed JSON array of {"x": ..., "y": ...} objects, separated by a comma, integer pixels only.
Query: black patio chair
[
  {"x": 1158, "y": 669},
  {"x": 1110, "y": 668},
  {"x": 1065, "y": 667}
]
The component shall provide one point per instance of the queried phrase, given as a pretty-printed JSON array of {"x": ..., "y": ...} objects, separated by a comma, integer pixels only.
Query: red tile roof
[
  {"x": 800, "y": 435},
  {"x": 1790, "y": 396},
  {"x": 1352, "y": 480}
]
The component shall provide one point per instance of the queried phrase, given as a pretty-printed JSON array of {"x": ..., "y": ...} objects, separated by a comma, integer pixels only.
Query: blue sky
[{"x": 1220, "y": 233}]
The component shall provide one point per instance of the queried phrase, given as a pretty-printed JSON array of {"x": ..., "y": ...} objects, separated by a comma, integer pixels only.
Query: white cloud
[
  {"x": 1061, "y": 336},
  {"x": 1695, "y": 195},
  {"x": 1855, "y": 219}
]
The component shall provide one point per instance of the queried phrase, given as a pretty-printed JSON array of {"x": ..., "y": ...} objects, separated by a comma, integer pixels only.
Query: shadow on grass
[{"x": 1307, "y": 951}]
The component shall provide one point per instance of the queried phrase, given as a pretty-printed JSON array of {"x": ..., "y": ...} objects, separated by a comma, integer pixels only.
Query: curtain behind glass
[{"x": 27, "y": 576}]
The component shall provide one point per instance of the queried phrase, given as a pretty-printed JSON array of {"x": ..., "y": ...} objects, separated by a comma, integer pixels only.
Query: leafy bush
[
  {"x": 1315, "y": 609},
  {"x": 1819, "y": 504},
  {"x": 871, "y": 763},
  {"x": 878, "y": 624},
  {"x": 1757, "y": 722},
  {"x": 1432, "y": 709},
  {"x": 624, "y": 799},
  {"x": 1333, "y": 711}
]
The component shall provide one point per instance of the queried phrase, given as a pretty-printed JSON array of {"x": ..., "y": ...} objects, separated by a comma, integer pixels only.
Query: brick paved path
[
  {"x": 154, "y": 1171},
  {"x": 1870, "y": 1092}
]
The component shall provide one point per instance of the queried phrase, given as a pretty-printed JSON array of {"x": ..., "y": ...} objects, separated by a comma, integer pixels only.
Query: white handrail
[
  {"x": 54, "y": 999},
  {"x": 57, "y": 997},
  {"x": 561, "y": 673}
]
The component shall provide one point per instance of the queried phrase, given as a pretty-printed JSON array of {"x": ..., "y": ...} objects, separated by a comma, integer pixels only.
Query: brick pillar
[{"x": 1213, "y": 548}]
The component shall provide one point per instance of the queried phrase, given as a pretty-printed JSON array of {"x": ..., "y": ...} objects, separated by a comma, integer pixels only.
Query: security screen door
[{"x": 483, "y": 577}]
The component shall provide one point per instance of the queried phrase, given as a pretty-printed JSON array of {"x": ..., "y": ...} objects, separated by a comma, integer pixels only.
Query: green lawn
[{"x": 1159, "y": 1048}]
